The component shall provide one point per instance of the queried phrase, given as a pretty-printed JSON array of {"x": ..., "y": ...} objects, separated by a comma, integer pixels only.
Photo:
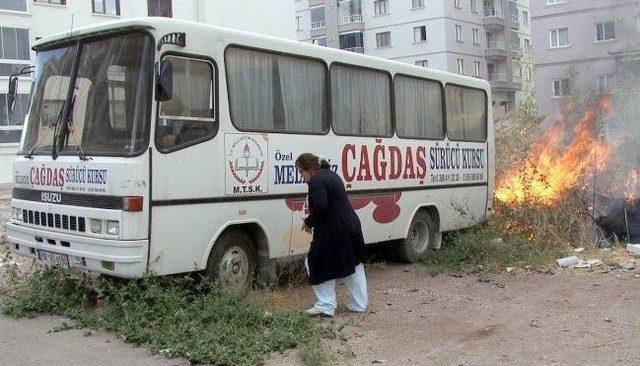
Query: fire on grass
[{"x": 558, "y": 161}]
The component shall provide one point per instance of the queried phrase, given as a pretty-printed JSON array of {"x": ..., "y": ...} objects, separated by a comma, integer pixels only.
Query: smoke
[
  {"x": 606, "y": 77},
  {"x": 616, "y": 188}
]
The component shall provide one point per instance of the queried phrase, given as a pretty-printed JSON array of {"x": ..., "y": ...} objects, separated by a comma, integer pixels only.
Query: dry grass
[{"x": 565, "y": 223}]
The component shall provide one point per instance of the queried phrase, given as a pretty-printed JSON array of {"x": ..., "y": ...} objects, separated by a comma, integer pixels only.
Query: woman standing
[{"x": 337, "y": 248}]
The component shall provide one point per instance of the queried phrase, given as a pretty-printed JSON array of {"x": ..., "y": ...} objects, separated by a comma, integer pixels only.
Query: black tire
[
  {"x": 232, "y": 261},
  {"x": 421, "y": 237}
]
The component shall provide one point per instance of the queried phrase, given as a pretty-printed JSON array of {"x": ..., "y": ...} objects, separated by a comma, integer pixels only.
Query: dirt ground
[
  {"x": 576, "y": 317},
  {"x": 573, "y": 317}
]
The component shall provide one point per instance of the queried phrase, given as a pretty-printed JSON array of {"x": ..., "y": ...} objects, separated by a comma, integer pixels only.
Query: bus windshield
[{"x": 108, "y": 110}]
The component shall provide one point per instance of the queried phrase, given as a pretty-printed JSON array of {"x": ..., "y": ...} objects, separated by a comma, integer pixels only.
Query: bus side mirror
[
  {"x": 164, "y": 81},
  {"x": 13, "y": 91}
]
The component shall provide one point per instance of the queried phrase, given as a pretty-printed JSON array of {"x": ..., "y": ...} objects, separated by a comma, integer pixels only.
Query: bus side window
[
  {"x": 418, "y": 108},
  {"x": 466, "y": 113},
  {"x": 276, "y": 93},
  {"x": 189, "y": 116}
]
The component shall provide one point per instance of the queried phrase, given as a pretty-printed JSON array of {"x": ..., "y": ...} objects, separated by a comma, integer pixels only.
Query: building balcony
[
  {"x": 354, "y": 49},
  {"x": 504, "y": 82},
  {"x": 353, "y": 18},
  {"x": 494, "y": 20},
  {"x": 496, "y": 50},
  {"x": 512, "y": 20},
  {"x": 318, "y": 25}
]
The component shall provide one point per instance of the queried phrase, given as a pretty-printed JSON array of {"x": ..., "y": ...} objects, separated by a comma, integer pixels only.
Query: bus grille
[{"x": 57, "y": 221}]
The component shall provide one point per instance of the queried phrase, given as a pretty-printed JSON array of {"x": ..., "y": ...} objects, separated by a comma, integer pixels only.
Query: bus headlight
[
  {"x": 96, "y": 226},
  {"x": 17, "y": 214},
  {"x": 113, "y": 228}
]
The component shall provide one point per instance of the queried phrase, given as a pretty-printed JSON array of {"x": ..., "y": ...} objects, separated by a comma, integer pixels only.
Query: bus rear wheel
[
  {"x": 421, "y": 237},
  {"x": 232, "y": 262}
]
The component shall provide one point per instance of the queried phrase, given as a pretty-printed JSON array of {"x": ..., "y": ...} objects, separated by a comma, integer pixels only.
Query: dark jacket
[{"x": 338, "y": 245}]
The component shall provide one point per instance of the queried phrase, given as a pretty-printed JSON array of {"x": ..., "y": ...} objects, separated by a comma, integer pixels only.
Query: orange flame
[
  {"x": 631, "y": 186},
  {"x": 554, "y": 166}
]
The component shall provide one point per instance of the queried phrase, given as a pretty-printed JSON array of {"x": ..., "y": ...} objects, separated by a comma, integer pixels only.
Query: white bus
[{"x": 174, "y": 151}]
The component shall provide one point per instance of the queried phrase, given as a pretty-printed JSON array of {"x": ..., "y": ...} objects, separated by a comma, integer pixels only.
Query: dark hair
[{"x": 308, "y": 161}]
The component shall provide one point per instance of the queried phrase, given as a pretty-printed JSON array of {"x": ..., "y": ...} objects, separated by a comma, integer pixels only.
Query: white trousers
[{"x": 357, "y": 286}]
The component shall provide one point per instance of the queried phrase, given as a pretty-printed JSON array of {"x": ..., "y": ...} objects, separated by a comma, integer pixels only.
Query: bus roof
[{"x": 277, "y": 44}]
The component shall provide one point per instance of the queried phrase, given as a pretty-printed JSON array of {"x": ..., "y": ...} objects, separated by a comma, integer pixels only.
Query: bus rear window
[
  {"x": 466, "y": 113},
  {"x": 275, "y": 93},
  {"x": 361, "y": 101}
]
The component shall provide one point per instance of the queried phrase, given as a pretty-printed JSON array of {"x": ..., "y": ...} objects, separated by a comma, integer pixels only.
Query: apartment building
[
  {"x": 472, "y": 37},
  {"x": 580, "y": 48},
  {"x": 24, "y": 21}
]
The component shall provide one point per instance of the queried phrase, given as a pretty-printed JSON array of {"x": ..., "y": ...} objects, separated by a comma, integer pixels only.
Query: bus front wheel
[
  {"x": 232, "y": 262},
  {"x": 420, "y": 238}
]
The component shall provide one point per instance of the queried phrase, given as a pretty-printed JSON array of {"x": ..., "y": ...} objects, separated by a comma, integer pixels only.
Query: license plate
[{"x": 56, "y": 259}]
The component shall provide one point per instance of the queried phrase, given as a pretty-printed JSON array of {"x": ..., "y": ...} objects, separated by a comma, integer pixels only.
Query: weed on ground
[
  {"x": 482, "y": 248},
  {"x": 175, "y": 317}
]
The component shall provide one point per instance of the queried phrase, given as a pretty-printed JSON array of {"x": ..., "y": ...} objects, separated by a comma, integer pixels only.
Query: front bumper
[{"x": 120, "y": 258}]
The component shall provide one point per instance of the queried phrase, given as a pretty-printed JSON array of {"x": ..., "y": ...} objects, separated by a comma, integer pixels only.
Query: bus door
[{"x": 184, "y": 167}]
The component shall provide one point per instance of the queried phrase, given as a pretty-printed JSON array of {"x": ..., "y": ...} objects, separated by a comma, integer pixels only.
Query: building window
[
  {"x": 605, "y": 31},
  {"x": 14, "y": 50},
  {"x": 423, "y": 63},
  {"x": 559, "y": 37},
  {"x": 561, "y": 88},
  {"x": 525, "y": 17},
  {"x": 107, "y": 7},
  {"x": 11, "y": 122},
  {"x": 460, "y": 66},
  {"x": 54, "y": 2},
  {"x": 459, "y": 33},
  {"x": 320, "y": 41},
  {"x": 553, "y": 2},
  {"x": 381, "y": 7},
  {"x": 417, "y": 4},
  {"x": 527, "y": 45},
  {"x": 419, "y": 34},
  {"x": 350, "y": 11},
  {"x": 515, "y": 42},
  {"x": 159, "y": 8},
  {"x": 352, "y": 41},
  {"x": 383, "y": 39},
  {"x": 13, "y": 5},
  {"x": 476, "y": 36},
  {"x": 298, "y": 23},
  {"x": 473, "y": 5},
  {"x": 605, "y": 83},
  {"x": 476, "y": 68},
  {"x": 317, "y": 17},
  {"x": 273, "y": 92},
  {"x": 456, "y": 4}
]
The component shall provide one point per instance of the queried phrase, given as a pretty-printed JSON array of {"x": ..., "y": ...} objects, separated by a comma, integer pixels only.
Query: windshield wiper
[
  {"x": 29, "y": 155},
  {"x": 58, "y": 136},
  {"x": 63, "y": 128},
  {"x": 71, "y": 130}
]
